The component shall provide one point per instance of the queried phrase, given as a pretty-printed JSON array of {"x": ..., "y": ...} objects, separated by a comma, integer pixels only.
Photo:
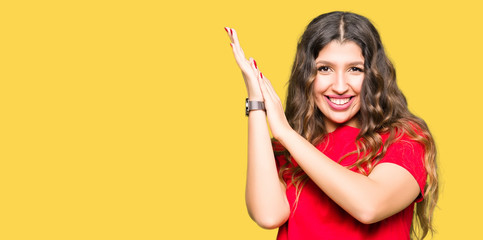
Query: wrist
[
  {"x": 255, "y": 97},
  {"x": 254, "y": 94},
  {"x": 251, "y": 105},
  {"x": 284, "y": 135}
]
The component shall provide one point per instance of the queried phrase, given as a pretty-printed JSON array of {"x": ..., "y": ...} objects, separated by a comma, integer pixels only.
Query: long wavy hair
[{"x": 383, "y": 106}]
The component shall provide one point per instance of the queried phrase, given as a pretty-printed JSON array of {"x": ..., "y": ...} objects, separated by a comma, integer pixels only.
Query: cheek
[
  {"x": 319, "y": 100},
  {"x": 321, "y": 84},
  {"x": 357, "y": 103},
  {"x": 356, "y": 83}
]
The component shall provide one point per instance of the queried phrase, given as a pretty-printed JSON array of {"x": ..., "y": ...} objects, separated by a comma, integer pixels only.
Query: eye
[
  {"x": 323, "y": 69},
  {"x": 356, "y": 69}
]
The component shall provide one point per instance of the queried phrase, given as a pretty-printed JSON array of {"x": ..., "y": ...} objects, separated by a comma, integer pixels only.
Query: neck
[{"x": 332, "y": 126}]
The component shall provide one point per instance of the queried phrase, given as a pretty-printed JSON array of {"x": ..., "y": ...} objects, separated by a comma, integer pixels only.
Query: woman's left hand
[{"x": 275, "y": 114}]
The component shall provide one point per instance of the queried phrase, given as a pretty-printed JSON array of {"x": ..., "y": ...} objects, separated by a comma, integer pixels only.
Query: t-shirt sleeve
[{"x": 408, "y": 154}]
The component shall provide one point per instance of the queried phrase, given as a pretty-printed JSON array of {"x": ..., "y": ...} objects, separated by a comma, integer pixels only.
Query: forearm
[
  {"x": 359, "y": 195},
  {"x": 265, "y": 195}
]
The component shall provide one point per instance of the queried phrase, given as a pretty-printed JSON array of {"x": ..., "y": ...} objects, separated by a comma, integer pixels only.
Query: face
[{"x": 337, "y": 85}]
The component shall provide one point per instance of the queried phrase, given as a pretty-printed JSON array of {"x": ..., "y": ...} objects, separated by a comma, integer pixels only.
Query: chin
[
  {"x": 346, "y": 119},
  {"x": 340, "y": 120},
  {"x": 340, "y": 117}
]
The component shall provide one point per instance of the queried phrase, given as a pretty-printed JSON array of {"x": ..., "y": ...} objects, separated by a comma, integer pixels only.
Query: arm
[
  {"x": 387, "y": 190},
  {"x": 265, "y": 196}
]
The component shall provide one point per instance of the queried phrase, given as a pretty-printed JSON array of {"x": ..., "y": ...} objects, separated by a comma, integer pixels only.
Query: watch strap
[{"x": 253, "y": 105}]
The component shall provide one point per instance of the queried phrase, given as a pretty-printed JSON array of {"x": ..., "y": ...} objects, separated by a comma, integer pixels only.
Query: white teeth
[{"x": 339, "y": 101}]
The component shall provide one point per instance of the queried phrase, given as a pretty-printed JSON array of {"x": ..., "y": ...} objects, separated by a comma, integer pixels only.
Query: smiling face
[{"x": 337, "y": 85}]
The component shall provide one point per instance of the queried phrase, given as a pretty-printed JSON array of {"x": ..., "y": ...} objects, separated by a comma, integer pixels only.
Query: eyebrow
[{"x": 330, "y": 63}]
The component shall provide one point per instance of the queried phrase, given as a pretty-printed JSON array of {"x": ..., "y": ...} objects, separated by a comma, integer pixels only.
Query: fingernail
[
  {"x": 226, "y": 29},
  {"x": 231, "y": 45},
  {"x": 255, "y": 62},
  {"x": 231, "y": 31},
  {"x": 261, "y": 75}
]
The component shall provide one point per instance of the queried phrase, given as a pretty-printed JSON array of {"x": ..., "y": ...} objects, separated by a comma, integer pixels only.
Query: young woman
[{"x": 351, "y": 161}]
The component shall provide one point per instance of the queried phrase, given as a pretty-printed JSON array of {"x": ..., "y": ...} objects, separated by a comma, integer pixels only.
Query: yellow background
[{"x": 125, "y": 119}]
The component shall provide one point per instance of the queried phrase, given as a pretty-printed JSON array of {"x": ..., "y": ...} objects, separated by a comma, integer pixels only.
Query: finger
[
  {"x": 243, "y": 63},
  {"x": 236, "y": 47},
  {"x": 234, "y": 35},
  {"x": 267, "y": 85},
  {"x": 236, "y": 42},
  {"x": 234, "y": 39},
  {"x": 271, "y": 89},
  {"x": 239, "y": 56},
  {"x": 263, "y": 87},
  {"x": 267, "y": 95},
  {"x": 239, "y": 52},
  {"x": 253, "y": 64},
  {"x": 254, "y": 69},
  {"x": 229, "y": 32}
]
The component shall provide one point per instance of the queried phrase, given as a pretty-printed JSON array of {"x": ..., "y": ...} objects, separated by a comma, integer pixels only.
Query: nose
[{"x": 340, "y": 85}]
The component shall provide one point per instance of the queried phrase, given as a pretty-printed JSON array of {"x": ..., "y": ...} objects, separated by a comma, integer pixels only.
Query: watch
[{"x": 253, "y": 105}]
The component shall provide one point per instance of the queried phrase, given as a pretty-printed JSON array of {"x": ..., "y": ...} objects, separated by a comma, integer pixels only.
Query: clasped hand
[{"x": 259, "y": 88}]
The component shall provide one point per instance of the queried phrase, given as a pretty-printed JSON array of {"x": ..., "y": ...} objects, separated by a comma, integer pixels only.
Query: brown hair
[{"x": 383, "y": 106}]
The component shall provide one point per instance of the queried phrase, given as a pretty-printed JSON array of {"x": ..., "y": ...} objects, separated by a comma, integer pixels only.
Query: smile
[{"x": 339, "y": 102}]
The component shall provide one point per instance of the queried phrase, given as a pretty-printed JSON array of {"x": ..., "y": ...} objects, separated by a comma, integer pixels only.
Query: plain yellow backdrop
[{"x": 125, "y": 119}]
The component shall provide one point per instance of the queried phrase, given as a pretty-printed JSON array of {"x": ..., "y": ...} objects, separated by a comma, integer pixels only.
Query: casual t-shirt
[{"x": 316, "y": 216}]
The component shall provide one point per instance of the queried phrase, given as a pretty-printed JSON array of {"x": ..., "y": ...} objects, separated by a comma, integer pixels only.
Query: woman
[{"x": 351, "y": 161}]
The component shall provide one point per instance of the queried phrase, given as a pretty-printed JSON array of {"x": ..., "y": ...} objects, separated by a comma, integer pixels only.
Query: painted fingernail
[
  {"x": 261, "y": 75},
  {"x": 231, "y": 31},
  {"x": 226, "y": 29},
  {"x": 255, "y": 62},
  {"x": 231, "y": 45}
]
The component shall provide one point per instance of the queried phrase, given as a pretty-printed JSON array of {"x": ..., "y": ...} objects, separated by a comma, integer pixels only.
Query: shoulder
[
  {"x": 405, "y": 150},
  {"x": 402, "y": 148},
  {"x": 403, "y": 138}
]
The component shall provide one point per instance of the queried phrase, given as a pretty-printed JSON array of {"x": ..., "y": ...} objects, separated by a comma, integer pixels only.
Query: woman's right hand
[{"x": 247, "y": 66}]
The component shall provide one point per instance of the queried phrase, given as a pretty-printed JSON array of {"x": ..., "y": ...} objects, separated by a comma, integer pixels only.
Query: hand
[
  {"x": 248, "y": 67},
  {"x": 275, "y": 114}
]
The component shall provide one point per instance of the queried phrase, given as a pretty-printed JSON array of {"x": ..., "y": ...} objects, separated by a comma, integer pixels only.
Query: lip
[{"x": 339, "y": 107}]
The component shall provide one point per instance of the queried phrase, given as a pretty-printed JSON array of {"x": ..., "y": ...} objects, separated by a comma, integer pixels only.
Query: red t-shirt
[{"x": 318, "y": 217}]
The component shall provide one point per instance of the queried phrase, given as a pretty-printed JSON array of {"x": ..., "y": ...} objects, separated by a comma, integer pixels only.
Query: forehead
[{"x": 337, "y": 51}]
